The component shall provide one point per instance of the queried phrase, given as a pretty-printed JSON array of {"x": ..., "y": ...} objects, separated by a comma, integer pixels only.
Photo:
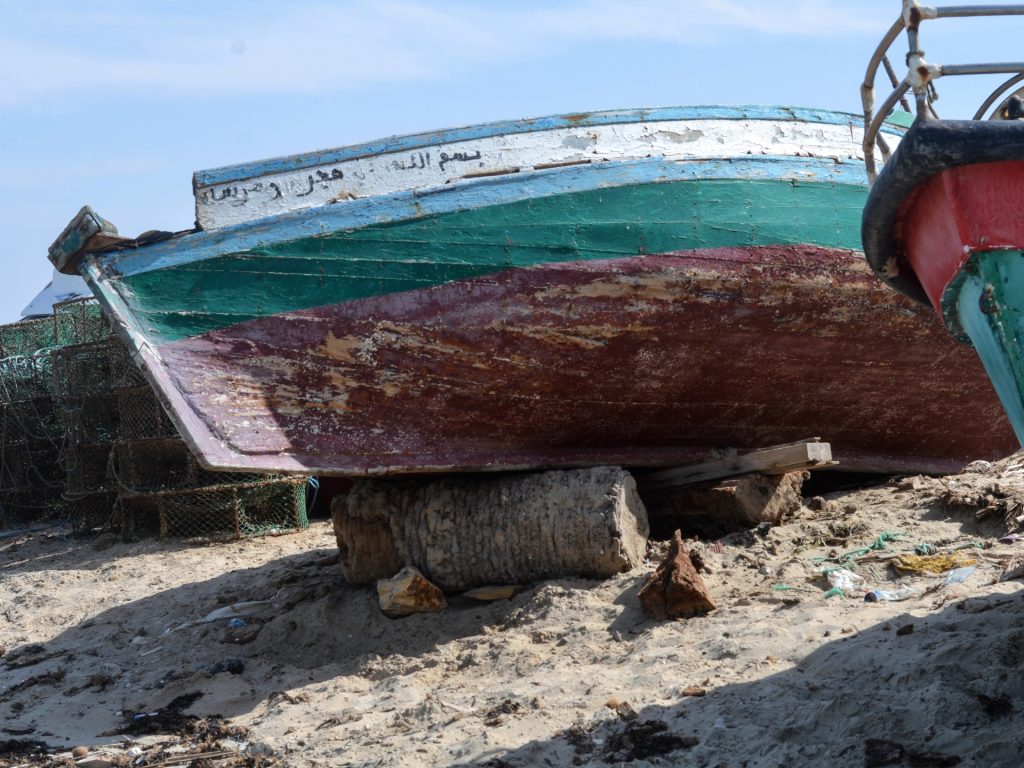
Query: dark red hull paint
[
  {"x": 957, "y": 212},
  {"x": 641, "y": 361}
]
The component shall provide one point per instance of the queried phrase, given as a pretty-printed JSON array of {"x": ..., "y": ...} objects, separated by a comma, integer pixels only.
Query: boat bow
[{"x": 942, "y": 222}]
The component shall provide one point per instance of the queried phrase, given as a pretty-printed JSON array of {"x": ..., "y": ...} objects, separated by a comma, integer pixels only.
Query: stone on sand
[
  {"x": 409, "y": 592},
  {"x": 676, "y": 590}
]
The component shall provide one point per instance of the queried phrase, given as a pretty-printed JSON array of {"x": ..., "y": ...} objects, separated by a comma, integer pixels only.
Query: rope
[
  {"x": 315, "y": 485},
  {"x": 847, "y": 559}
]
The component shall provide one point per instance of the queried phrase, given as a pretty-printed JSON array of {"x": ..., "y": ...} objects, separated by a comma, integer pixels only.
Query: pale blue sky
[{"x": 116, "y": 103}]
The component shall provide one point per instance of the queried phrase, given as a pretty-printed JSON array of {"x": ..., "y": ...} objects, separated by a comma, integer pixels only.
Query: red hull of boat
[
  {"x": 957, "y": 213},
  {"x": 637, "y": 361}
]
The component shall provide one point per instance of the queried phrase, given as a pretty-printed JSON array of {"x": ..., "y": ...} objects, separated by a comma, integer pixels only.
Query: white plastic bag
[{"x": 848, "y": 581}]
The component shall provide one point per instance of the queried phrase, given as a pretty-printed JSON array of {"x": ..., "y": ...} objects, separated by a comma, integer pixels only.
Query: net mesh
[
  {"x": 27, "y": 337},
  {"x": 87, "y": 469},
  {"x": 26, "y": 421},
  {"x": 140, "y": 415},
  {"x": 26, "y": 377},
  {"x": 230, "y": 510},
  {"x": 79, "y": 321},
  {"x": 90, "y": 420},
  {"x": 82, "y": 434},
  {"x": 83, "y": 370},
  {"x": 31, "y": 482},
  {"x": 92, "y": 512}
]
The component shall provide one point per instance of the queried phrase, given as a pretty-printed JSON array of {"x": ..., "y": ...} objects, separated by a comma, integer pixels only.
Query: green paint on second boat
[
  {"x": 987, "y": 301},
  {"x": 429, "y": 251}
]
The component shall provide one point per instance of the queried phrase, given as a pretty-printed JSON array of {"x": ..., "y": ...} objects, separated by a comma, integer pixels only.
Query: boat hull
[
  {"x": 553, "y": 309},
  {"x": 965, "y": 243},
  {"x": 633, "y": 361},
  {"x": 942, "y": 224}
]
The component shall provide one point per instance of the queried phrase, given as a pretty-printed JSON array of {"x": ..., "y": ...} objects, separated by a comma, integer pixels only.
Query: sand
[{"x": 567, "y": 672}]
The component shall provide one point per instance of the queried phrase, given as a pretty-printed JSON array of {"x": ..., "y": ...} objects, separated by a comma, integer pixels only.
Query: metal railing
[{"x": 921, "y": 74}]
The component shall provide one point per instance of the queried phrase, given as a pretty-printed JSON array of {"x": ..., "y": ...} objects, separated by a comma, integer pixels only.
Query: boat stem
[{"x": 989, "y": 305}]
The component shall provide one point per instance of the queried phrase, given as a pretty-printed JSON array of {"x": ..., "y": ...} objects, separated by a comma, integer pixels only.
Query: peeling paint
[
  {"x": 682, "y": 136},
  {"x": 756, "y": 345},
  {"x": 270, "y": 194},
  {"x": 344, "y": 348}
]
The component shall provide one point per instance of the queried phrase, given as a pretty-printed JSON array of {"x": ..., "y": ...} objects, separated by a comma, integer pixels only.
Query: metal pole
[
  {"x": 980, "y": 114},
  {"x": 948, "y": 70},
  {"x": 871, "y": 131},
  {"x": 962, "y": 11}
]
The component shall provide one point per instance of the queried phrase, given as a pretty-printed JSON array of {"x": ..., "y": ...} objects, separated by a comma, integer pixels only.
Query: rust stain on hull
[{"x": 639, "y": 361}]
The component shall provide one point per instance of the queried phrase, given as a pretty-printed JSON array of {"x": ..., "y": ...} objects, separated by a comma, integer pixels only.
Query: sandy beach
[{"x": 102, "y": 645}]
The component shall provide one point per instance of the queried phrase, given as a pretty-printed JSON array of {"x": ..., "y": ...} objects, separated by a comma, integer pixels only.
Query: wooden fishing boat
[
  {"x": 942, "y": 223},
  {"x": 636, "y": 288}
]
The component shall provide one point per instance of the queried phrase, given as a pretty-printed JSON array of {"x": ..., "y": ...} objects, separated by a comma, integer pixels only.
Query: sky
[{"x": 116, "y": 103}]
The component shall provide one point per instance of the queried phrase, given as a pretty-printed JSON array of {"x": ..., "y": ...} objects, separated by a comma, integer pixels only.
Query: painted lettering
[
  {"x": 416, "y": 161},
  {"x": 297, "y": 186},
  {"x": 461, "y": 157}
]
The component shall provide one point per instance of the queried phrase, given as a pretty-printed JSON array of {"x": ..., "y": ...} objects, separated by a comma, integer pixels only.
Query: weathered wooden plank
[
  {"x": 430, "y": 251},
  {"x": 714, "y": 508},
  {"x": 573, "y": 365},
  {"x": 776, "y": 460},
  {"x": 264, "y": 189},
  {"x": 408, "y": 143}
]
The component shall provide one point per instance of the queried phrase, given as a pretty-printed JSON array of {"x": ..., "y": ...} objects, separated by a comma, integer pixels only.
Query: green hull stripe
[
  {"x": 420, "y": 253},
  {"x": 988, "y": 302}
]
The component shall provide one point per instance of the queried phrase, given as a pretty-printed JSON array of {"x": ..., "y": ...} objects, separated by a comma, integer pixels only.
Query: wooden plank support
[{"x": 775, "y": 460}]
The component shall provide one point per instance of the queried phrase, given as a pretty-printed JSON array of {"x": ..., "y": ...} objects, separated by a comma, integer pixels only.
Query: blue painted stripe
[
  {"x": 241, "y": 171},
  {"x": 466, "y": 195}
]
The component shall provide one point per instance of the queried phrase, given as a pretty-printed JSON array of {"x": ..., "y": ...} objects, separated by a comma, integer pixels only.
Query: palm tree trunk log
[{"x": 513, "y": 529}]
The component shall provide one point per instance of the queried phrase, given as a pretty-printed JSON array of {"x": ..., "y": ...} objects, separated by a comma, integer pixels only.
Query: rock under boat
[{"x": 635, "y": 288}]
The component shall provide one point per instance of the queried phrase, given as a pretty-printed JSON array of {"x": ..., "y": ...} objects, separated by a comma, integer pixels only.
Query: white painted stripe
[{"x": 238, "y": 202}]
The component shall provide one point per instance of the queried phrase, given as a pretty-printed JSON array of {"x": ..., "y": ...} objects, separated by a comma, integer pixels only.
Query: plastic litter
[
  {"x": 236, "y": 623},
  {"x": 845, "y": 580},
  {"x": 891, "y": 595},
  {"x": 1010, "y": 538},
  {"x": 227, "y": 612},
  {"x": 959, "y": 575},
  {"x": 791, "y": 588}
]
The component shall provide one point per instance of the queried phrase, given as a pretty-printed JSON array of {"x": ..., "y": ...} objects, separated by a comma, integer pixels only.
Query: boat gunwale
[{"x": 297, "y": 162}]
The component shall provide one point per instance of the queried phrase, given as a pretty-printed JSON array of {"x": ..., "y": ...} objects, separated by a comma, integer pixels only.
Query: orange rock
[{"x": 675, "y": 590}]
